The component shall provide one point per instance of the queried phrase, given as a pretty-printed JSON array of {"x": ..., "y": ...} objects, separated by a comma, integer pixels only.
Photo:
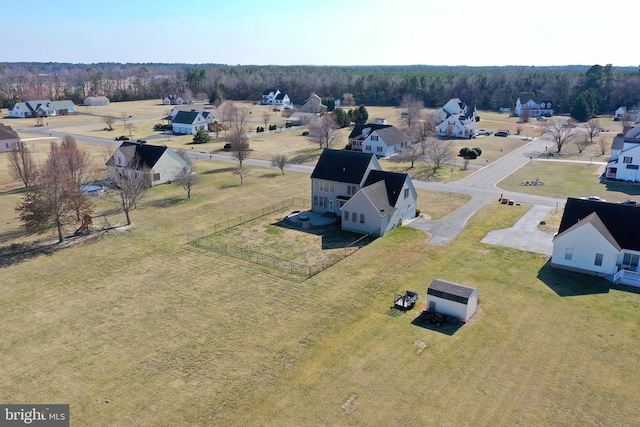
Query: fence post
[{"x": 210, "y": 245}]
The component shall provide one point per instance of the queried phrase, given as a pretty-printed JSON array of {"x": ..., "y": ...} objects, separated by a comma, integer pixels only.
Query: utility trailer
[{"x": 405, "y": 301}]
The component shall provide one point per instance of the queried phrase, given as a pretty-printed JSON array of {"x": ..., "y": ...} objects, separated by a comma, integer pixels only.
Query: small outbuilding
[
  {"x": 452, "y": 299},
  {"x": 96, "y": 100}
]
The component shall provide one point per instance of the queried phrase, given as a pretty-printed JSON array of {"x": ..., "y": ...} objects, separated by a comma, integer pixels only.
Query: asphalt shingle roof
[
  {"x": 394, "y": 182},
  {"x": 342, "y": 166}
]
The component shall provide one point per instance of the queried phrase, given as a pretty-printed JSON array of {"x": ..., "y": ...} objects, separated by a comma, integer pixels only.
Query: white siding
[
  {"x": 360, "y": 205},
  {"x": 456, "y": 309},
  {"x": 583, "y": 243}
]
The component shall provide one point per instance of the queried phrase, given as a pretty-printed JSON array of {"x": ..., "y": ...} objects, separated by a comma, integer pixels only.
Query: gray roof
[
  {"x": 450, "y": 291},
  {"x": 392, "y": 136},
  {"x": 7, "y": 133},
  {"x": 377, "y": 194}
]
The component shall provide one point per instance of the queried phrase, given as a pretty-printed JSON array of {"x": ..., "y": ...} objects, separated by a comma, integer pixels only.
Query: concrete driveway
[{"x": 524, "y": 234}]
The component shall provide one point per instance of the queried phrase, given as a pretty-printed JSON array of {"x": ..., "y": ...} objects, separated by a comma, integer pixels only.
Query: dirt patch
[
  {"x": 348, "y": 405},
  {"x": 421, "y": 345}
]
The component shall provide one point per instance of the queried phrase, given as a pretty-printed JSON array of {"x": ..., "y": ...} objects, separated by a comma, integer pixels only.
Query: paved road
[{"x": 482, "y": 185}]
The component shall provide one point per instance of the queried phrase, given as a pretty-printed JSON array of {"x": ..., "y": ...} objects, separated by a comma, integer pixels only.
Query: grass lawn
[{"x": 139, "y": 328}]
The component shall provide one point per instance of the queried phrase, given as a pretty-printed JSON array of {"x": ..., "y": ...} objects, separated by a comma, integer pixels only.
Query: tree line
[{"x": 599, "y": 89}]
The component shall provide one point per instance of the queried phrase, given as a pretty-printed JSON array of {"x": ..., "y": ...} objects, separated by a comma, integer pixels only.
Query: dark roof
[
  {"x": 342, "y": 166},
  {"x": 145, "y": 155},
  {"x": 281, "y": 95},
  {"x": 7, "y": 132},
  {"x": 357, "y": 130},
  {"x": 393, "y": 180},
  {"x": 450, "y": 291},
  {"x": 617, "y": 144},
  {"x": 185, "y": 117},
  {"x": 268, "y": 91},
  {"x": 622, "y": 221}
]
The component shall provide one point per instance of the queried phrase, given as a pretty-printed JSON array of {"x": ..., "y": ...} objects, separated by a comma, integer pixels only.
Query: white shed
[{"x": 452, "y": 299}]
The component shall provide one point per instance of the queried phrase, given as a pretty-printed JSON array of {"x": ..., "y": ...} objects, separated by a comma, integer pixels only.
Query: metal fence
[{"x": 204, "y": 241}]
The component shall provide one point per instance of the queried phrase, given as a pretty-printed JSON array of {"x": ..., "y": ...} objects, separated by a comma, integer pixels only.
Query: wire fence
[{"x": 204, "y": 240}]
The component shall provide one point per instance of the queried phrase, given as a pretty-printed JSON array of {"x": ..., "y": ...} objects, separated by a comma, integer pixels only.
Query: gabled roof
[
  {"x": 281, "y": 95},
  {"x": 392, "y": 136},
  {"x": 377, "y": 195},
  {"x": 621, "y": 221},
  {"x": 185, "y": 117},
  {"x": 596, "y": 223},
  {"x": 7, "y": 132},
  {"x": 633, "y": 134},
  {"x": 342, "y": 166},
  {"x": 357, "y": 129},
  {"x": 268, "y": 91},
  {"x": 140, "y": 155},
  {"x": 450, "y": 291},
  {"x": 394, "y": 182}
]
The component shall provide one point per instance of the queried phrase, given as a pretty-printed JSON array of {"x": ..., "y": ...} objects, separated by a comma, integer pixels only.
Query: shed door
[{"x": 432, "y": 306}]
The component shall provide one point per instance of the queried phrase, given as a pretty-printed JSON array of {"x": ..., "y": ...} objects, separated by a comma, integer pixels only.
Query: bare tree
[
  {"x": 412, "y": 153},
  {"x": 525, "y": 114},
  {"x": 601, "y": 144},
  {"x": 437, "y": 151},
  {"x": 125, "y": 116},
  {"x": 130, "y": 127},
  {"x": 242, "y": 173},
  {"x": 413, "y": 107},
  {"x": 189, "y": 180},
  {"x": 76, "y": 163},
  {"x": 130, "y": 188},
  {"x": 627, "y": 121},
  {"x": 348, "y": 99},
  {"x": 235, "y": 116},
  {"x": 240, "y": 148},
  {"x": 21, "y": 165},
  {"x": 54, "y": 197},
  {"x": 216, "y": 128},
  {"x": 582, "y": 143},
  {"x": 265, "y": 119},
  {"x": 39, "y": 121},
  {"x": 280, "y": 161},
  {"x": 109, "y": 120},
  {"x": 324, "y": 131},
  {"x": 560, "y": 131},
  {"x": 593, "y": 129}
]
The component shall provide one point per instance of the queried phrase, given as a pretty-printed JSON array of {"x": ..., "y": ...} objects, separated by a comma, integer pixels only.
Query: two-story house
[
  {"x": 275, "y": 97},
  {"x": 624, "y": 163},
  {"x": 455, "y": 107},
  {"x": 354, "y": 187},
  {"x": 189, "y": 122},
  {"x": 378, "y": 138},
  {"x": 537, "y": 108}
]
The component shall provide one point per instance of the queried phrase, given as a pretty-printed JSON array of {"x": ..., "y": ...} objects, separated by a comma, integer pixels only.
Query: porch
[{"x": 625, "y": 277}]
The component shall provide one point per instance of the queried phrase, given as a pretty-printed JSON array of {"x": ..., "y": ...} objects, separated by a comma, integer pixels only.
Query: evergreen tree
[
  {"x": 201, "y": 137},
  {"x": 342, "y": 118}
]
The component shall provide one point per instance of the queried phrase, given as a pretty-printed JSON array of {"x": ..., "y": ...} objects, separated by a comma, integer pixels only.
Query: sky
[{"x": 319, "y": 32}]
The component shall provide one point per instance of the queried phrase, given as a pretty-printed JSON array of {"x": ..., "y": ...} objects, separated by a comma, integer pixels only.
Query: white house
[
  {"x": 452, "y": 299},
  {"x": 9, "y": 138},
  {"x": 599, "y": 238},
  {"x": 454, "y": 106},
  {"x": 173, "y": 100},
  {"x": 537, "y": 108},
  {"x": 188, "y": 122},
  {"x": 42, "y": 108},
  {"x": 624, "y": 163},
  {"x": 165, "y": 164},
  {"x": 275, "y": 97},
  {"x": 382, "y": 140},
  {"x": 631, "y": 114},
  {"x": 353, "y": 186},
  {"x": 96, "y": 100},
  {"x": 456, "y": 126}
]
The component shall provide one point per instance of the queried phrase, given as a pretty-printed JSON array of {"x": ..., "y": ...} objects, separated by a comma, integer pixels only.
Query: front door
[{"x": 330, "y": 205}]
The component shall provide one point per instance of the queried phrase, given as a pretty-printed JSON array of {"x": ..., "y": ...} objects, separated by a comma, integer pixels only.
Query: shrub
[
  {"x": 417, "y": 213},
  {"x": 259, "y": 129},
  {"x": 288, "y": 125},
  {"x": 347, "y": 147},
  {"x": 463, "y": 152},
  {"x": 477, "y": 150},
  {"x": 305, "y": 133},
  {"x": 471, "y": 154}
]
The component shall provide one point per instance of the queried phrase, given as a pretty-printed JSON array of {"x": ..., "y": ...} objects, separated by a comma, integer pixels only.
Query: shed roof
[{"x": 450, "y": 291}]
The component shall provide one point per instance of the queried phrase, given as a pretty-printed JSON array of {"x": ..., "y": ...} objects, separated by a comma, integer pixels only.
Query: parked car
[
  {"x": 502, "y": 133},
  {"x": 594, "y": 199},
  {"x": 484, "y": 132},
  {"x": 541, "y": 119},
  {"x": 629, "y": 202}
]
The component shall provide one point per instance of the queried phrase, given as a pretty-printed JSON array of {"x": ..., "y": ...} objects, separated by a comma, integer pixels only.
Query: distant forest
[{"x": 487, "y": 88}]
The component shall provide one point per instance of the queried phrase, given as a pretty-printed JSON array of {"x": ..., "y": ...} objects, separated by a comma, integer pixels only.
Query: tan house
[{"x": 9, "y": 139}]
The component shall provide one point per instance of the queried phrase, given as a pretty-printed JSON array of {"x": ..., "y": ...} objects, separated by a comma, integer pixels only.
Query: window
[
  {"x": 331, "y": 187},
  {"x": 379, "y": 149},
  {"x": 627, "y": 160},
  {"x": 631, "y": 260},
  {"x": 323, "y": 202},
  {"x": 6, "y": 145},
  {"x": 361, "y": 218},
  {"x": 568, "y": 253},
  {"x": 315, "y": 184},
  {"x": 351, "y": 190},
  {"x": 156, "y": 177},
  {"x": 374, "y": 137},
  {"x": 406, "y": 193},
  {"x": 346, "y": 215},
  {"x": 315, "y": 200},
  {"x": 354, "y": 216},
  {"x": 598, "y": 259},
  {"x": 367, "y": 148}
]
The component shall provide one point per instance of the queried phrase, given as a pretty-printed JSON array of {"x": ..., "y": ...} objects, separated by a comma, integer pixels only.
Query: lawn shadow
[
  {"x": 445, "y": 328},
  {"x": 568, "y": 283},
  {"x": 269, "y": 175},
  {"x": 20, "y": 252},
  {"x": 220, "y": 170},
  {"x": 304, "y": 156},
  {"x": 333, "y": 237},
  {"x": 622, "y": 187},
  {"x": 19, "y": 190},
  {"x": 168, "y": 202}
]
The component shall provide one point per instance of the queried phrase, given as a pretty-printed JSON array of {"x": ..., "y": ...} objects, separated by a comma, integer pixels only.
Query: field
[{"x": 137, "y": 327}]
